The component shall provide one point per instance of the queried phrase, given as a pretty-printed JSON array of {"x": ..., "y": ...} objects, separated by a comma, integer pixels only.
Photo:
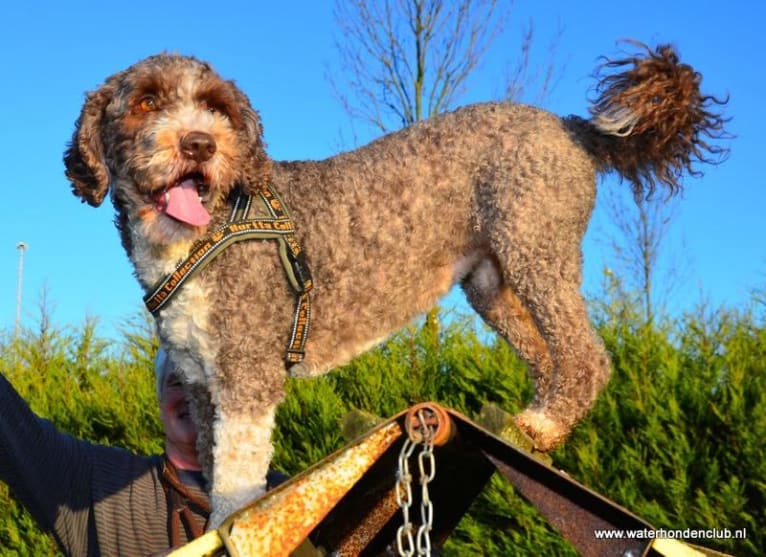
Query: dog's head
[{"x": 171, "y": 138}]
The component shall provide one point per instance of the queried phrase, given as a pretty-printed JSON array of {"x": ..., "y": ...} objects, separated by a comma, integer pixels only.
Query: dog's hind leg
[
  {"x": 581, "y": 366},
  {"x": 502, "y": 310}
]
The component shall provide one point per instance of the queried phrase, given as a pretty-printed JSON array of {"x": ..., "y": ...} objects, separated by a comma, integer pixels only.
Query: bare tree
[
  {"x": 406, "y": 60},
  {"x": 526, "y": 76},
  {"x": 642, "y": 229}
]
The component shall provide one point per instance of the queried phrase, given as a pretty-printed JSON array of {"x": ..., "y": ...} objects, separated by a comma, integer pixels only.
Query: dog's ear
[
  {"x": 247, "y": 119},
  {"x": 259, "y": 164},
  {"x": 84, "y": 157}
]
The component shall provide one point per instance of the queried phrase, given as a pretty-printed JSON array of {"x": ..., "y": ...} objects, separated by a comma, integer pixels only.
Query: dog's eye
[
  {"x": 148, "y": 104},
  {"x": 213, "y": 109}
]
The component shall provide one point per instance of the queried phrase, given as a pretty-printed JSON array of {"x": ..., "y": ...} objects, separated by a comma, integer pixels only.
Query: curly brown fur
[
  {"x": 657, "y": 108},
  {"x": 495, "y": 197}
]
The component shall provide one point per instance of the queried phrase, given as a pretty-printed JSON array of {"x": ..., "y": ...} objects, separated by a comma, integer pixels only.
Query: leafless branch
[
  {"x": 405, "y": 60},
  {"x": 543, "y": 78},
  {"x": 643, "y": 226}
]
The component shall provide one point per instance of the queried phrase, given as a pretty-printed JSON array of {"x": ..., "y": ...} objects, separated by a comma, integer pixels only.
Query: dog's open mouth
[{"x": 184, "y": 200}]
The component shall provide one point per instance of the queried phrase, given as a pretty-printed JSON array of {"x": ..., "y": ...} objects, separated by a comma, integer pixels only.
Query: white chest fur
[{"x": 184, "y": 323}]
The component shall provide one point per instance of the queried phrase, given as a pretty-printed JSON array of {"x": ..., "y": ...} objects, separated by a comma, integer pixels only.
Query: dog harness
[{"x": 277, "y": 226}]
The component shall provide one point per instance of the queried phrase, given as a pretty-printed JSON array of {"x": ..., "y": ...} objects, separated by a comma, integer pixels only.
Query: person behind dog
[{"x": 100, "y": 500}]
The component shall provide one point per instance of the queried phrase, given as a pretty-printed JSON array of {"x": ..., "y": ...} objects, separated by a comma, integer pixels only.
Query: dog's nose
[{"x": 199, "y": 146}]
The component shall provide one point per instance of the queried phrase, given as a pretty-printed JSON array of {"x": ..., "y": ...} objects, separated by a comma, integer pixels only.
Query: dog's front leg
[{"x": 242, "y": 451}]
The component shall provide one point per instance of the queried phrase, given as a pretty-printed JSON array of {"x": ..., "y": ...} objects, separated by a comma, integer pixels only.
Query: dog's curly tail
[{"x": 650, "y": 122}]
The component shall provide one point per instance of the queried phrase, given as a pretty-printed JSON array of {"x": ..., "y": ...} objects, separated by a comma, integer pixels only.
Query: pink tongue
[{"x": 183, "y": 204}]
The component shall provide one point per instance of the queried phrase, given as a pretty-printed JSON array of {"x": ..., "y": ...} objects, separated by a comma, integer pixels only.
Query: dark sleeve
[
  {"x": 46, "y": 470},
  {"x": 94, "y": 499}
]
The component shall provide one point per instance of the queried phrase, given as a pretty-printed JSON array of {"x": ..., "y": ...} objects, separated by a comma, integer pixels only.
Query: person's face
[{"x": 174, "y": 412}]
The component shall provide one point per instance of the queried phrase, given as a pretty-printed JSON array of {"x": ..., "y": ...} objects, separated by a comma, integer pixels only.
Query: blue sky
[{"x": 279, "y": 54}]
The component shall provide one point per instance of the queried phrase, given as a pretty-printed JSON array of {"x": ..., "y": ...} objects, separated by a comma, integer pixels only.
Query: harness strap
[{"x": 277, "y": 226}]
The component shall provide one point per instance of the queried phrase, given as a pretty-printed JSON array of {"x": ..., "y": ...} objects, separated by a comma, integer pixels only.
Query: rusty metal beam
[
  {"x": 462, "y": 473},
  {"x": 346, "y": 503},
  {"x": 277, "y": 524},
  {"x": 573, "y": 509}
]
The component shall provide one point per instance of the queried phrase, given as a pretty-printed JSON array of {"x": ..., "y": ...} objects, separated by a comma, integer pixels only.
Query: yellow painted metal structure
[{"x": 346, "y": 504}]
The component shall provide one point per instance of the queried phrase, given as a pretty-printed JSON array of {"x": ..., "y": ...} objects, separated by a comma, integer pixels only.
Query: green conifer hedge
[{"x": 677, "y": 437}]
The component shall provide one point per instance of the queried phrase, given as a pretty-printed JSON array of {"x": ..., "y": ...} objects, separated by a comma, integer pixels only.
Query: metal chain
[
  {"x": 405, "y": 541},
  {"x": 427, "y": 470}
]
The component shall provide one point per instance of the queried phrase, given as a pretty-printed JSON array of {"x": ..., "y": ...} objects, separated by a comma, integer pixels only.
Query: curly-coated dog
[{"x": 495, "y": 197}]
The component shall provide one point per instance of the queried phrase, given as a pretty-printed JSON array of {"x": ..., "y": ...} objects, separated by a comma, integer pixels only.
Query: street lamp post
[{"x": 22, "y": 247}]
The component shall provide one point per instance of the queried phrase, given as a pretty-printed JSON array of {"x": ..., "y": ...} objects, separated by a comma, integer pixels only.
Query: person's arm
[{"x": 46, "y": 470}]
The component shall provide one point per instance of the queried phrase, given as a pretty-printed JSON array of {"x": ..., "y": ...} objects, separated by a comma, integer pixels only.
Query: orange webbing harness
[{"x": 276, "y": 226}]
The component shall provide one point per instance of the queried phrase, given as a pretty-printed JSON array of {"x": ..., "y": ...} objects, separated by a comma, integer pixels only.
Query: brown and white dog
[{"x": 495, "y": 197}]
